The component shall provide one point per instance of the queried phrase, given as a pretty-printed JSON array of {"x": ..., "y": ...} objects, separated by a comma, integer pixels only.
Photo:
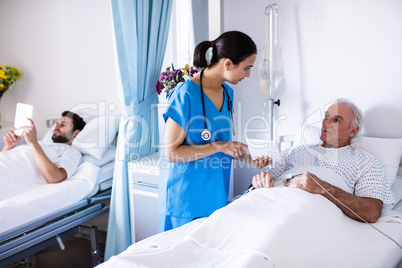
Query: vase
[{"x": 162, "y": 97}]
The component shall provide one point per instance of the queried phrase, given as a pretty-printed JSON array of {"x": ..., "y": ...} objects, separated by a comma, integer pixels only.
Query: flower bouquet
[
  {"x": 170, "y": 78},
  {"x": 8, "y": 76}
]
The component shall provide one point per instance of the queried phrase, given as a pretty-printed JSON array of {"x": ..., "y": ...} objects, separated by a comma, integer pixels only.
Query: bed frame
[{"x": 20, "y": 243}]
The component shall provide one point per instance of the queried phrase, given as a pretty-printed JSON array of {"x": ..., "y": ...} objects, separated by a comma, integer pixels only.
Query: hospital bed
[
  {"x": 45, "y": 214},
  {"x": 283, "y": 227}
]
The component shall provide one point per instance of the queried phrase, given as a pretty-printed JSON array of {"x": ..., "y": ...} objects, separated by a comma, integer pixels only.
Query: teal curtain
[{"x": 141, "y": 30}]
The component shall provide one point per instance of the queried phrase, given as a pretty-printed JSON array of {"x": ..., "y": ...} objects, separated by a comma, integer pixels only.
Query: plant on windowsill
[
  {"x": 170, "y": 78},
  {"x": 8, "y": 76}
]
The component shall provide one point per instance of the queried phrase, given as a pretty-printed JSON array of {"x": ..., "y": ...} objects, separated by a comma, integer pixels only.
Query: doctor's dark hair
[
  {"x": 233, "y": 45},
  {"x": 78, "y": 122}
]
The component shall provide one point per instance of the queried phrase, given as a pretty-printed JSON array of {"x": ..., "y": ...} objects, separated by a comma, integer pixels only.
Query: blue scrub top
[{"x": 197, "y": 188}]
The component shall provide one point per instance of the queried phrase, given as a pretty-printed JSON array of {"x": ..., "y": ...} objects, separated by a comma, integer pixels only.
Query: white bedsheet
[
  {"x": 275, "y": 227},
  {"x": 27, "y": 196}
]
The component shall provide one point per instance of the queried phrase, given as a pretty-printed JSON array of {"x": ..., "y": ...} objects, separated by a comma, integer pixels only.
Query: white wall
[
  {"x": 64, "y": 50},
  {"x": 330, "y": 49}
]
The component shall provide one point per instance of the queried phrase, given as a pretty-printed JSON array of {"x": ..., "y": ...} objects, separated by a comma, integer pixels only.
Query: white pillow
[
  {"x": 387, "y": 151},
  {"x": 96, "y": 136},
  {"x": 48, "y": 136},
  {"x": 397, "y": 189},
  {"x": 94, "y": 139},
  {"x": 307, "y": 135},
  {"x": 108, "y": 157}
]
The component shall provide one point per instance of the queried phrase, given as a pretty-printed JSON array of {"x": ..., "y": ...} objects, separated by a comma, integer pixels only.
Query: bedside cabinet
[{"x": 143, "y": 195}]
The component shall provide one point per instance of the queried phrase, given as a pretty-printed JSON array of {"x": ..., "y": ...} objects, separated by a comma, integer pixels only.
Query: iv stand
[{"x": 271, "y": 10}]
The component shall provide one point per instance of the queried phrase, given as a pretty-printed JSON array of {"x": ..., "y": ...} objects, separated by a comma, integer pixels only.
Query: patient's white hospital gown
[
  {"x": 19, "y": 171},
  {"x": 361, "y": 171}
]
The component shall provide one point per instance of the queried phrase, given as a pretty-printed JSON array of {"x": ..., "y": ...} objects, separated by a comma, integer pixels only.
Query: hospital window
[{"x": 188, "y": 27}]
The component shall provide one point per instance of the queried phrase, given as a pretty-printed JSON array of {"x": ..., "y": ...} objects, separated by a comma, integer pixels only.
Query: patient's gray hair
[{"x": 358, "y": 120}]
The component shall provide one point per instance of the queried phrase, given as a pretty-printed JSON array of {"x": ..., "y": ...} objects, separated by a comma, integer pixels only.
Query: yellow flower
[
  {"x": 186, "y": 69},
  {"x": 8, "y": 76}
]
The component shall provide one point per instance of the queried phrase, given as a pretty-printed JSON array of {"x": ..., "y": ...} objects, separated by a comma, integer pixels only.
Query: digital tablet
[
  {"x": 23, "y": 111},
  {"x": 259, "y": 148}
]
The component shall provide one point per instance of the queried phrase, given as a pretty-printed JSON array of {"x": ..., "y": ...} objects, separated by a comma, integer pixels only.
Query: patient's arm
[
  {"x": 367, "y": 208},
  {"x": 49, "y": 170}
]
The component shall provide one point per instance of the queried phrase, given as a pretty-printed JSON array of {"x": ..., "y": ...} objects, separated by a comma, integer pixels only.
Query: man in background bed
[
  {"x": 362, "y": 172},
  {"x": 55, "y": 161}
]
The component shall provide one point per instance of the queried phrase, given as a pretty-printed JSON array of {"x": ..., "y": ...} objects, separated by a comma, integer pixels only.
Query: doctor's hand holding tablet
[
  {"x": 263, "y": 149},
  {"x": 259, "y": 157}
]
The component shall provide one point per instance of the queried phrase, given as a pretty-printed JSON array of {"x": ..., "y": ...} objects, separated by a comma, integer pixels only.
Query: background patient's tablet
[{"x": 23, "y": 111}]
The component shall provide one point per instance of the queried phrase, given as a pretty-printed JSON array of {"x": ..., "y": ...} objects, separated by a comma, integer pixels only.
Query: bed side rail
[{"x": 36, "y": 240}]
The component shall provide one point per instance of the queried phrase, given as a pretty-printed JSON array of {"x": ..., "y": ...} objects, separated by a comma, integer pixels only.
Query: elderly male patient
[
  {"x": 55, "y": 161},
  {"x": 362, "y": 172}
]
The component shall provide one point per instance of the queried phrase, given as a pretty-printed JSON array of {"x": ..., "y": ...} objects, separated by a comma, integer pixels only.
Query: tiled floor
[{"x": 77, "y": 254}]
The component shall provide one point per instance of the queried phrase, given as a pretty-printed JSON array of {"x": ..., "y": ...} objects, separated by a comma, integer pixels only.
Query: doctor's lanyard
[{"x": 206, "y": 134}]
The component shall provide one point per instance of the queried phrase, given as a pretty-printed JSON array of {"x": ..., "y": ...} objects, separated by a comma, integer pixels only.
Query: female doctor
[{"x": 198, "y": 147}]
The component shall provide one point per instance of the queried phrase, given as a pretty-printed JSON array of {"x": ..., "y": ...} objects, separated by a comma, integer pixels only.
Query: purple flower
[
  {"x": 193, "y": 72},
  {"x": 158, "y": 88},
  {"x": 171, "y": 77}
]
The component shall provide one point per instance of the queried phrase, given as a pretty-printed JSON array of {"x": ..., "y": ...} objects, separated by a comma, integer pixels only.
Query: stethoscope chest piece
[{"x": 206, "y": 135}]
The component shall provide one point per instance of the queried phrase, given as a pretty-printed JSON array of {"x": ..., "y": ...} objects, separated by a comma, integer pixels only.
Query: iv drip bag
[
  {"x": 263, "y": 73},
  {"x": 264, "y": 69}
]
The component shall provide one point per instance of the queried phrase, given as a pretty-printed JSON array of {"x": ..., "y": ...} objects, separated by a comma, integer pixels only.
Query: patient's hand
[
  {"x": 30, "y": 133},
  {"x": 305, "y": 182},
  {"x": 263, "y": 180},
  {"x": 10, "y": 140}
]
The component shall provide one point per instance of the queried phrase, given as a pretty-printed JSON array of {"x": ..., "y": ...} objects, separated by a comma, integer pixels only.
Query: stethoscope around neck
[{"x": 206, "y": 134}]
